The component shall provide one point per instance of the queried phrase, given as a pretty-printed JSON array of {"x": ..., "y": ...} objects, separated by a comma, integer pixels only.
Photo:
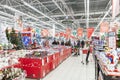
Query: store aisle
[{"x": 73, "y": 69}]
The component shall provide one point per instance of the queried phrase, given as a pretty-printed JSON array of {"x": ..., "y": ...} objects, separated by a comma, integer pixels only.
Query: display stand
[
  {"x": 39, "y": 67},
  {"x": 102, "y": 73}
]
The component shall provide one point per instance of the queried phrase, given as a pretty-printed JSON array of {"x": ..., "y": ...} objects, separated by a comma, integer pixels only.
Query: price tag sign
[{"x": 112, "y": 40}]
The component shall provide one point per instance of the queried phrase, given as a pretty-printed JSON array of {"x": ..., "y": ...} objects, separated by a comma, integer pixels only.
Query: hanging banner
[
  {"x": 74, "y": 32},
  {"x": 62, "y": 34},
  {"x": 80, "y": 32},
  {"x": 104, "y": 27},
  {"x": 37, "y": 30},
  {"x": 89, "y": 32},
  {"x": 68, "y": 33},
  {"x": 44, "y": 32},
  {"x": 57, "y": 34},
  {"x": 50, "y": 32},
  {"x": 115, "y": 8},
  {"x": 114, "y": 26},
  {"x": 18, "y": 21},
  {"x": 112, "y": 39}
]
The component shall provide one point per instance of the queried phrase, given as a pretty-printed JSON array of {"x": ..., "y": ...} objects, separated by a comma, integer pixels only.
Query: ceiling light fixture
[
  {"x": 25, "y": 3},
  {"x": 15, "y": 10}
]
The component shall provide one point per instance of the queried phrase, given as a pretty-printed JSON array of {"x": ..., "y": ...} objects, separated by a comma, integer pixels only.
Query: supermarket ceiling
[{"x": 69, "y": 13}]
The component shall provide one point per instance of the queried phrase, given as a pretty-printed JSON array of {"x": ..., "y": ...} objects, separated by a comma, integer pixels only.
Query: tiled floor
[{"x": 73, "y": 69}]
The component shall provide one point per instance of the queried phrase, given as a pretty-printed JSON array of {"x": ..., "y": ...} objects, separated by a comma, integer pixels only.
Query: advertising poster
[
  {"x": 89, "y": 32},
  {"x": 80, "y": 32},
  {"x": 104, "y": 27}
]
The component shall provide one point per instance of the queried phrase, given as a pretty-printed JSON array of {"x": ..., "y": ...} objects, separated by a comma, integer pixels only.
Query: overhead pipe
[
  {"x": 25, "y": 3},
  {"x": 102, "y": 19},
  {"x": 59, "y": 7}
]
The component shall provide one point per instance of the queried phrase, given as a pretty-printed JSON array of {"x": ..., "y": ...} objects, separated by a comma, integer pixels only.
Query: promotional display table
[
  {"x": 102, "y": 72},
  {"x": 40, "y": 67},
  {"x": 13, "y": 75}
]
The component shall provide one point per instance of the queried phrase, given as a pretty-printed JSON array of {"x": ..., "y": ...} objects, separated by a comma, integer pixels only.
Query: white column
[
  {"x": 87, "y": 13},
  {"x": 53, "y": 30}
]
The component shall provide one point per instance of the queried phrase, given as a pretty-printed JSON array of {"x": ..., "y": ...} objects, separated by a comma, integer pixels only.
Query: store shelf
[
  {"x": 71, "y": 69},
  {"x": 106, "y": 74},
  {"x": 39, "y": 67}
]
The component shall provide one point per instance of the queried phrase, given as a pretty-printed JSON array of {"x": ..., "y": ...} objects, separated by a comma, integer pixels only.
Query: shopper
[
  {"x": 88, "y": 53},
  {"x": 69, "y": 43},
  {"x": 82, "y": 43},
  {"x": 54, "y": 42},
  {"x": 57, "y": 42},
  {"x": 82, "y": 46},
  {"x": 78, "y": 45},
  {"x": 75, "y": 48},
  {"x": 62, "y": 42}
]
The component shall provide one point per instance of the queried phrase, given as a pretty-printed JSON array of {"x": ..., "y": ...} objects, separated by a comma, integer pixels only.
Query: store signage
[
  {"x": 18, "y": 21},
  {"x": 115, "y": 8},
  {"x": 74, "y": 32},
  {"x": 68, "y": 33},
  {"x": 114, "y": 26},
  {"x": 80, "y": 32},
  {"x": 111, "y": 34},
  {"x": 44, "y": 32},
  {"x": 62, "y": 34},
  {"x": 112, "y": 40},
  {"x": 104, "y": 27},
  {"x": 37, "y": 30},
  {"x": 89, "y": 32}
]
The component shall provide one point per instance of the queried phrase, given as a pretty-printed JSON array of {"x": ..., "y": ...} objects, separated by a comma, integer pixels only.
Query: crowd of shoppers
[{"x": 77, "y": 45}]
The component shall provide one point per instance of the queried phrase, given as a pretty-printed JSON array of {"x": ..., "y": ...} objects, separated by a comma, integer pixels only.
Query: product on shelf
[
  {"x": 11, "y": 74},
  {"x": 37, "y": 54}
]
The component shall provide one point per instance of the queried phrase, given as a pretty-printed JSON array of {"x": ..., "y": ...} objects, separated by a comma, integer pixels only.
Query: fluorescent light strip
[
  {"x": 45, "y": 23},
  {"x": 42, "y": 26},
  {"x": 13, "y": 9},
  {"x": 6, "y": 14},
  {"x": 5, "y": 18},
  {"x": 42, "y": 21},
  {"x": 25, "y": 3}
]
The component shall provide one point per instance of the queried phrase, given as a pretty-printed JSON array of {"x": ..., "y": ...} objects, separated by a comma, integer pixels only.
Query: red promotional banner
[
  {"x": 89, "y": 32},
  {"x": 79, "y": 32},
  {"x": 57, "y": 34},
  {"x": 104, "y": 27},
  {"x": 44, "y": 32},
  {"x": 68, "y": 33},
  {"x": 61, "y": 34}
]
